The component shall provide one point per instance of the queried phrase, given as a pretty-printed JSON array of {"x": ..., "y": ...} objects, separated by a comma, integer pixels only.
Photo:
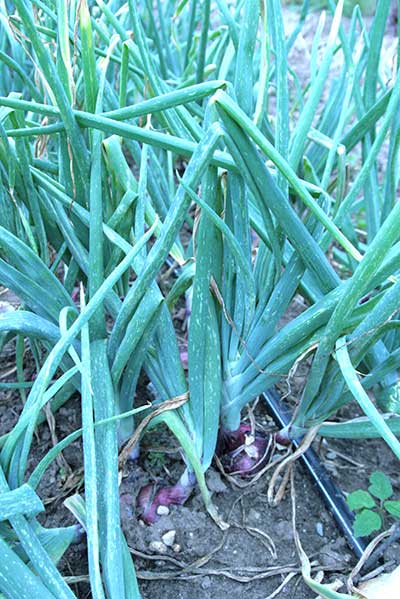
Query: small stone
[
  {"x": 169, "y": 538},
  {"x": 319, "y": 527},
  {"x": 158, "y": 547},
  {"x": 176, "y": 548},
  {"x": 162, "y": 510}
]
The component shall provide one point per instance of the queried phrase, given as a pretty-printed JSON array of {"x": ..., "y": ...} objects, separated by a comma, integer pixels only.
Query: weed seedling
[{"x": 374, "y": 506}]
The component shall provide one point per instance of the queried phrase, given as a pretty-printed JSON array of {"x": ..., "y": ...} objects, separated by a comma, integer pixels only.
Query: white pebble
[
  {"x": 162, "y": 510},
  {"x": 169, "y": 538},
  {"x": 158, "y": 547},
  {"x": 176, "y": 548}
]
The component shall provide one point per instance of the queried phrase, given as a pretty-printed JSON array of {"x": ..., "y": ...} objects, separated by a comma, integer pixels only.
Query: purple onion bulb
[{"x": 149, "y": 500}]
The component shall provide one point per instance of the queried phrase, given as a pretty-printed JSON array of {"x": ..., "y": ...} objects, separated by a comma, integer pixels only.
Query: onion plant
[
  {"x": 300, "y": 208},
  {"x": 124, "y": 124}
]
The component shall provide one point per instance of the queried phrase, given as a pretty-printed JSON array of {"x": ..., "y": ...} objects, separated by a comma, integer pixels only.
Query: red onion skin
[
  {"x": 231, "y": 440},
  {"x": 148, "y": 500},
  {"x": 239, "y": 456},
  {"x": 283, "y": 438},
  {"x": 146, "y": 504},
  {"x": 184, "y": 359}
]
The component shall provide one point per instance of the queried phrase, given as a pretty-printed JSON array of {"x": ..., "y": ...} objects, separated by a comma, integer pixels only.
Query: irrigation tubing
[{"x": 330, "y": 492}]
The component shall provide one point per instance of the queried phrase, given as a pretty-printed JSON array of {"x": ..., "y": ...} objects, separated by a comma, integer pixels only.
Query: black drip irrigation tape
[{"x": 330, "y": 492}]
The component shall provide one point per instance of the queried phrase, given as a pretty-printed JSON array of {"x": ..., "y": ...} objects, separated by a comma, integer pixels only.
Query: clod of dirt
[
  {"x": 331, "y": 557},
  {"x": 215, "y": 482},
  {"x": 392, "y": 553},
  {"x": 284, "y": 530}
]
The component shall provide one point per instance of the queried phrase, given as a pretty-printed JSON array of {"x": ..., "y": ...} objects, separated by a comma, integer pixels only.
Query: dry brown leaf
[{"x": 385, "y": 586}]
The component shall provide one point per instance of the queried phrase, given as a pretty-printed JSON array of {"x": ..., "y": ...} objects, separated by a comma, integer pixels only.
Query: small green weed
[
  {"x": 156, "y": 460},
  {"x": 371, "y": 514}
]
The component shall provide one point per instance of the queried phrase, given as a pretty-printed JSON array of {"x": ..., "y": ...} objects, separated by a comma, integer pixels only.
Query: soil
[{"x": 257, "y": 553}]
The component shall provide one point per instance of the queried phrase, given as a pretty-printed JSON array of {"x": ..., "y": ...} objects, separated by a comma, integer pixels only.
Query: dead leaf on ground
[{"x": 385, "y": 586}]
